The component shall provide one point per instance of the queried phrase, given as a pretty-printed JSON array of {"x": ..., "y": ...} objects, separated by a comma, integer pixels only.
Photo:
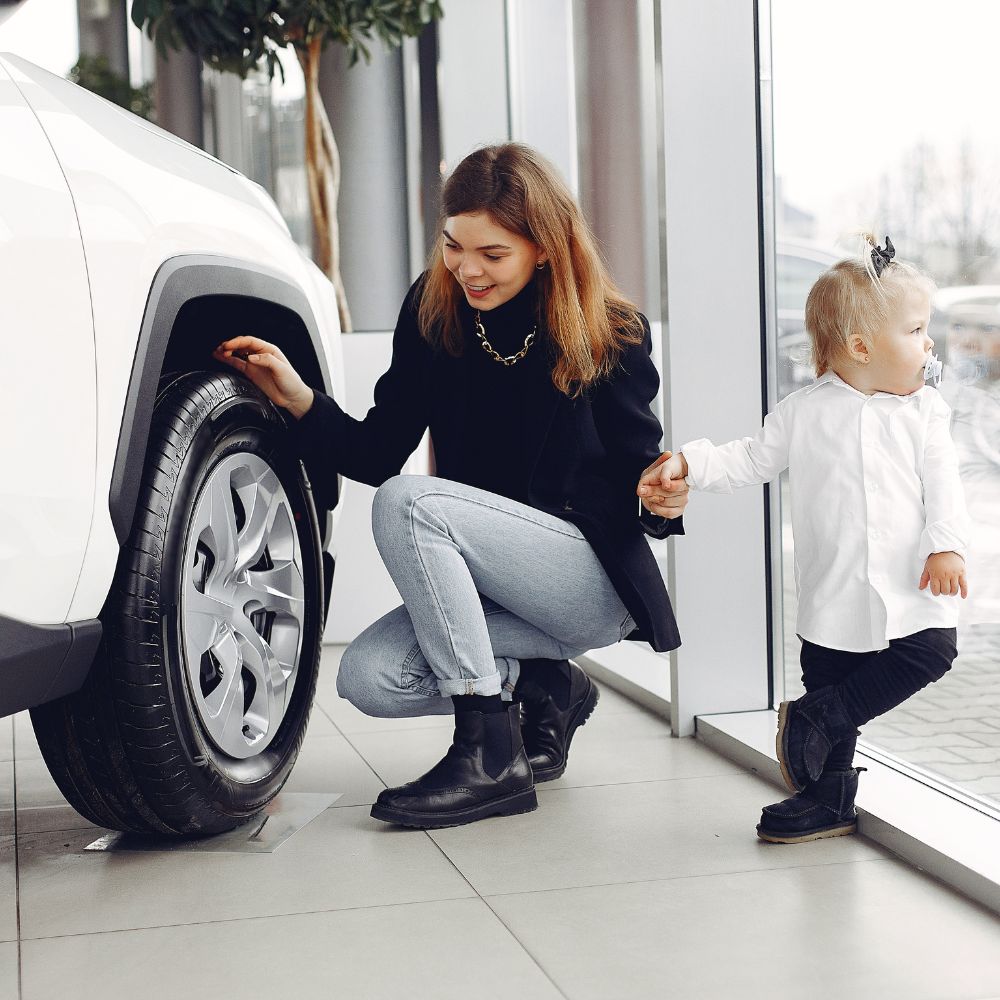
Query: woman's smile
[{"x": 477, "y": 291}]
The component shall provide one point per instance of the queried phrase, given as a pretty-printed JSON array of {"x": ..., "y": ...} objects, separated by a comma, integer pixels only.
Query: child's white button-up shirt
[{"x": 875, "y": 489}]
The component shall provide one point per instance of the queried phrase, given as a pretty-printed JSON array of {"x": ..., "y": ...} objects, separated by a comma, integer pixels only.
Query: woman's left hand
[{"x": 662, "y": 490}]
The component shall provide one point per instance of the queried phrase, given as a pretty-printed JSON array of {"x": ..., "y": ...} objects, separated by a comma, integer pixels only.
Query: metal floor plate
[{"x": 264, "y": 834}]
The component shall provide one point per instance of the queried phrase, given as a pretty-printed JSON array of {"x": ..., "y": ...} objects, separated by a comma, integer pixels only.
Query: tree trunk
[{"x": 323, "y": 175}]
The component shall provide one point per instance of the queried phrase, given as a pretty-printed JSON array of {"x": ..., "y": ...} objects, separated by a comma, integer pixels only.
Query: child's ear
[{"x": 857, "y": 349}]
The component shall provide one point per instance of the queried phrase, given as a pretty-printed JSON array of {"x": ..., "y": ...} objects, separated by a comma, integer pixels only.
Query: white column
[
  {"x": 713, "y": 346},
  {"x": 367, "y": 114},
  {"x": 472, "y": 93},
  {"x": 542, "y": 81}
]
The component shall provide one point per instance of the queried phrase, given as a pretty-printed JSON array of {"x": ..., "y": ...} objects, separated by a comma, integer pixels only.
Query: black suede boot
[
  {"x": 558, "y": 697},
  {"x": 484, "y": 773},
  {"x": 824, "y": 809},
  {"x": 808, "y": 729}
]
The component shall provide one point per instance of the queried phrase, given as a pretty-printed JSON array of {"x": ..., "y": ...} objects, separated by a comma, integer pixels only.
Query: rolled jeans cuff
[{"x": 491, "y": 684}]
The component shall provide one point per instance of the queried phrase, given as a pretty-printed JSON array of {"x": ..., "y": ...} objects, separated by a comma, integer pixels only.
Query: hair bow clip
[{"x": 881, "y": 258}]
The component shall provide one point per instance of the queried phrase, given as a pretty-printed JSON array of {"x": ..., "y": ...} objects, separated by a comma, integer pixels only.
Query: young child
[{"x": 879, "y": 523}]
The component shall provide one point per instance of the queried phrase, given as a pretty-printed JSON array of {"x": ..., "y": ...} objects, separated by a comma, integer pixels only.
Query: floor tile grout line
[
  {"x": 347, "y": 736},
  {"x": 485, "y": 901},
  {"x": 647, "y": 781},
  {"x": 650, "y": 781},
  {"x": 526, "y": 949},
  {"x": 607, "y": 784},
  {"x": 694, "y": 875},
  {"x": 449, "y": 860},
  {"x": 740, "y": 771},
  {"x": 347, "y": 740},
  {"x": 373, "y": 732},
  {"x": 256, "y": 916}
]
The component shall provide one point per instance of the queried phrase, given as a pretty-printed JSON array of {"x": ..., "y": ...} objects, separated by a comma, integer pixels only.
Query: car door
[{"x": 48, "y": 393}]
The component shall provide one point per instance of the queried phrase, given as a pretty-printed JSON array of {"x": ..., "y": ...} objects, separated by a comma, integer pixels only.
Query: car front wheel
[{"x": 192, "y": 716}]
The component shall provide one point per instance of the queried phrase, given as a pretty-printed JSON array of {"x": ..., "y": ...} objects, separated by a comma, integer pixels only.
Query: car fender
[
  {"x": 186, "y": 281},
  {"x": 145, "y": 198}
]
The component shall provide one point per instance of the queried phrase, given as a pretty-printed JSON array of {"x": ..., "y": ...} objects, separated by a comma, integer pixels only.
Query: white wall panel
[
  {"x": 714, "y": 346},
  {"x": 362, "y": 588},
  {"x": 472, "y": 90},
  {"x": 542, "y": 81}
]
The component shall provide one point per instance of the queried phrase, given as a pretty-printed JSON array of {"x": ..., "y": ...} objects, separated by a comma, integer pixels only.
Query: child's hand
[
  {"x": 662, "y": 488},
  {"x": 945, "y": 572}
]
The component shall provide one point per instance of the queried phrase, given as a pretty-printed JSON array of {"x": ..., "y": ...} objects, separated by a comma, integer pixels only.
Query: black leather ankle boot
[
  {"x": 484, "y": 773},
  {"x": 824, "y": 809},
  {"x": 550, "y": 719}
]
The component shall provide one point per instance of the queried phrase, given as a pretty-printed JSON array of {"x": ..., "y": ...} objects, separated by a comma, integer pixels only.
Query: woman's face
[{"x": 491, "y": 263}]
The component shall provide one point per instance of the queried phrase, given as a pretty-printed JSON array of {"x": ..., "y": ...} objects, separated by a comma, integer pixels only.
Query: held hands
[
  {"x": 269, "y": 370},
  {"x": 662, "y": 489},
  {"x": 945, "y": 573}
]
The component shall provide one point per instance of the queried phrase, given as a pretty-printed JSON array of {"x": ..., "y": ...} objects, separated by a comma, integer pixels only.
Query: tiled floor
[{"x": 638, "y": 876}]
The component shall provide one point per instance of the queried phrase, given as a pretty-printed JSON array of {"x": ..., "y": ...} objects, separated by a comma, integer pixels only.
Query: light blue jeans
[{"x": 486, "y": 582}]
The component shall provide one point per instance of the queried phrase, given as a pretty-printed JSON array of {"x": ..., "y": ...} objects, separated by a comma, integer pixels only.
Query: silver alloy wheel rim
[{"x": 242, "y": 604}]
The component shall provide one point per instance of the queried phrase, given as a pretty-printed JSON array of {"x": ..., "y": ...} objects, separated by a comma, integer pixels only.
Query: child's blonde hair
[{"x": 851, "y": 298}]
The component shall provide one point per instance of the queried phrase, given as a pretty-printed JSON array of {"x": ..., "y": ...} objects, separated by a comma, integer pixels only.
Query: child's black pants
[{"x": 872, "y": 683}]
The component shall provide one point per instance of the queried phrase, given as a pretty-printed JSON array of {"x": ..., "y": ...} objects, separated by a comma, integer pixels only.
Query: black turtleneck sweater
[{"x": 496, "y": 419}]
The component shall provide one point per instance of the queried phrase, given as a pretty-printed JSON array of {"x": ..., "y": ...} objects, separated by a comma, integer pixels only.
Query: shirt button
[{"x": 872, "y": 487}]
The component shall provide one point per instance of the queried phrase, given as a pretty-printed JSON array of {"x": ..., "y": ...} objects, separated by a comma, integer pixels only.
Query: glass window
[
  {"x": 257, "y": 125},
  {"x": 884, "y": 128}
]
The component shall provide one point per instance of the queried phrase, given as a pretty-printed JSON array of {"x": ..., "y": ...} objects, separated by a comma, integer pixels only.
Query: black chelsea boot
[
  {"x": 557, "y": 698},
  {"x": 484, "y": 773}
]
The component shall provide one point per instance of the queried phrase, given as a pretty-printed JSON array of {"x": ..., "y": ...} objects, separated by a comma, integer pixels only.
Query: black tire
[{"x": 133, "y": 749}]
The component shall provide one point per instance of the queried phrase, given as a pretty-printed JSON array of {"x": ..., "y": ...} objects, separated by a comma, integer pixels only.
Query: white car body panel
[
  {"x": 47, "y": 448},
  {"x": 142, "y": 197}
]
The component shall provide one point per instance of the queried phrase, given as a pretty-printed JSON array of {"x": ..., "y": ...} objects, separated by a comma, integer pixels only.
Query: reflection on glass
[
  {"x": 923, "y": 165},
  {"x": 258, "y": 127}
]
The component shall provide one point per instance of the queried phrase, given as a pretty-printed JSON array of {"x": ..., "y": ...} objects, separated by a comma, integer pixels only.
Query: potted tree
[{"x": 238, "y": 35}]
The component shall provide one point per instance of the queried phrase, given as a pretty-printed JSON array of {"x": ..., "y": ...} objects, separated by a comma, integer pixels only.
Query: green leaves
[
  {"x": 238, "y": 35},
  {"x": 95, "y": 73}
]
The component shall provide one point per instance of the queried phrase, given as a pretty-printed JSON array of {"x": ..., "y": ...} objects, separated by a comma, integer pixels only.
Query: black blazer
[{"x": 585, "y": 460}]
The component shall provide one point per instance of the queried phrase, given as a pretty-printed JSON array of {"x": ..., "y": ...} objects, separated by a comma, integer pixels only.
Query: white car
[
  {"x": 164, "y": 571},
  {"x": 797, "y": 266}
]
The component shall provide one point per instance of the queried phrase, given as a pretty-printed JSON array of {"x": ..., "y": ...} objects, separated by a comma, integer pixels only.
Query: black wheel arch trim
[
  {"x": 41, "y": 662},
  {"x": 180, "y": 280}
]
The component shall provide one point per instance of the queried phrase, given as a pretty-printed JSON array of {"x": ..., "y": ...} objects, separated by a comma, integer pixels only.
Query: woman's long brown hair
[{"x": 586, "y": 316}]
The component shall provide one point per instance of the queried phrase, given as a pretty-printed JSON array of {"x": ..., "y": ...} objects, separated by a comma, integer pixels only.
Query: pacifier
[{"x": 932, "y": 370}]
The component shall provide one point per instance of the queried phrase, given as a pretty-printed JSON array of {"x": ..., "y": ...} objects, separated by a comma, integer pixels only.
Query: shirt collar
[{"x": 830, "y": 376}]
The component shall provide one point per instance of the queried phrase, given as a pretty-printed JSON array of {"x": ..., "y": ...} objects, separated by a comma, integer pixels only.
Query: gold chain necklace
[{"x": 511, "y": 359}]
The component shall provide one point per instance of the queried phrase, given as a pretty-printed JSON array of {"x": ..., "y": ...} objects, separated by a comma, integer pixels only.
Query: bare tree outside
[{"x": 943, "y": 206}]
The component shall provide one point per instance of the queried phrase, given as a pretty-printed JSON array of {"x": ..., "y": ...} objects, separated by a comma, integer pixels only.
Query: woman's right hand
[{"x": 269, "y": 370}]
